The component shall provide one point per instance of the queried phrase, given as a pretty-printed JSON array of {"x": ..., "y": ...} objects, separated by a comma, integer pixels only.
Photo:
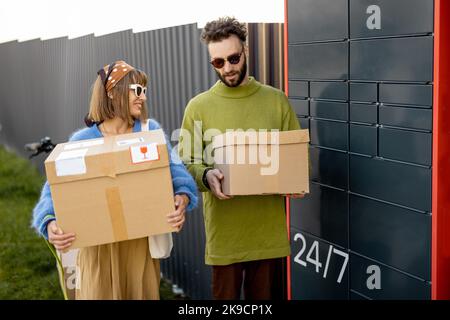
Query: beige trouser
[{"x": 122, "y": 270}]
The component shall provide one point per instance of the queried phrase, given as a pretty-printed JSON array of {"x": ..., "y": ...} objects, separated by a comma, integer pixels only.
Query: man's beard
[{"x": 239, "y": 80}]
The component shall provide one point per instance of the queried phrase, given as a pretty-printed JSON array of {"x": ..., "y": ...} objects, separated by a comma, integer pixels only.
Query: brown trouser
[{"x": 256, "y": 276}]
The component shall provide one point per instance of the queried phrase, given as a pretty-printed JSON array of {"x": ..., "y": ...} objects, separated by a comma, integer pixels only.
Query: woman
[{"x": 122, "y": 270}]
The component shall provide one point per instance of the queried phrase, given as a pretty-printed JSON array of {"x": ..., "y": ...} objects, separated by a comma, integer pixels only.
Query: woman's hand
[
  {"x": 177, "y": 217},
  {"x": 58, "y": 238}
]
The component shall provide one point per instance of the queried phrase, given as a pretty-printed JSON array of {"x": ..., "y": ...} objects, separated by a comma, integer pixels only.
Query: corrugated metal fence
[{"x": 45, "y": 90}]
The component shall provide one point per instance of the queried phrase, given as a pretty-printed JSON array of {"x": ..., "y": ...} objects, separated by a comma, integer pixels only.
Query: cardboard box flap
[
  {"x": 260, "y": 137},
  {"x": 108, "y": 156}
]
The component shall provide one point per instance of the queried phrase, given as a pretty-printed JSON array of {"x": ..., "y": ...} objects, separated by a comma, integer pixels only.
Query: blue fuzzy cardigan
[{"x": 182, "y": 181}]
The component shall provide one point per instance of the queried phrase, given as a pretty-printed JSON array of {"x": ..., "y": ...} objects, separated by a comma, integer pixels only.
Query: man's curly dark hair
[{"x": 223, "y": 28}]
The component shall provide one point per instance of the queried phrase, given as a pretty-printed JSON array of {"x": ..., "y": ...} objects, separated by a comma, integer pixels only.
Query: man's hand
[
  {"x": 178, "y": 217},
  {"x": 214, "y": 178},
  {"x": 62, "y": 241}
]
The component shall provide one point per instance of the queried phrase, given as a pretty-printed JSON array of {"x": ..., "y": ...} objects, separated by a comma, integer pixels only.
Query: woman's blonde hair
[{"x": 102, "y": 108}]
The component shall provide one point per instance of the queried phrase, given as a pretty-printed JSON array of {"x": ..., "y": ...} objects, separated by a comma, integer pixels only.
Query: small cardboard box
[
  {"x": 265, "y": 162},
  {"x": 112, "y": 189}
]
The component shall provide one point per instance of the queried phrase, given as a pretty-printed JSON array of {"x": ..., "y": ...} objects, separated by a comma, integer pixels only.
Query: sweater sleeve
[
  {"x": 182, "y": 181},
  {"x": 191, "y": 154},
  {"x": 44, "y": 212}
]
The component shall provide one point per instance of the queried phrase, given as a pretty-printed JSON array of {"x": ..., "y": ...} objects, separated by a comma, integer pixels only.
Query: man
[{"x": 246, "y": 236}]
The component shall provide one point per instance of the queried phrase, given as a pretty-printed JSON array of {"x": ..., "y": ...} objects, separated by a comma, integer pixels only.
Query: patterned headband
[{"x": 113, "y": 73}]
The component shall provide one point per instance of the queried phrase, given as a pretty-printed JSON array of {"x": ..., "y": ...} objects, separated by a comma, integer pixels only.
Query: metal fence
[{"x": 45, "y": 89}]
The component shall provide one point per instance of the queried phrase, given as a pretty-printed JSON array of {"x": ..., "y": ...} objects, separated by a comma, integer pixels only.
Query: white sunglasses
[{"x": 138, "y": 89}]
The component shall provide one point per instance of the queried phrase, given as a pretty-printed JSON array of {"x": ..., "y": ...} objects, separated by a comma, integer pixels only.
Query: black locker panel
[
  {"x": 371, "y": 234},
  {"x": 304, "y": 122},
  {"x": 301, "y": 107},
  {"x": 363, "y": 139},
  {"x": 394, "y": 285},
  {"x": 367, "y": 92},
  {"x": 412, "y": 118},
  {"x": 315, "y": 22},
  {"x": 329, "y": 167},
  {"x": 319, "y": 61},
  {"x": 399, "y": 183},
  {"x": 329, "y": 110},
  {"x": 323, "y": 213},
  {"x": 409, "y": 146},
  {"x": 364, "y": 68},
  {"x": 320, "y": 268},
  {"x": 357, "y": 296},
  {"x": 391, "y": 59},
  {"x": 410, "y": 94},
  {"x": 298, "y": 89},
  {"x": 329, "y": 134},
  {"x": 329, "y": 90},
  {"x": 367, "y": 113},
  {"x": 395, "y": 17}
]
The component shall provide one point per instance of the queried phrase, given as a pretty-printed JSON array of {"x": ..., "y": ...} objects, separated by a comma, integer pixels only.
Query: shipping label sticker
[
  {"x": 144, "y": 153},
  {"x": 130, "y": 141},
  {"x": 70, "y": 163},
  {"x": 84, "y": 144}
]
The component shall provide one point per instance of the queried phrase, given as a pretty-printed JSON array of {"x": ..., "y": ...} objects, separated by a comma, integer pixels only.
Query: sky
[{"x": 46, "y": 19}]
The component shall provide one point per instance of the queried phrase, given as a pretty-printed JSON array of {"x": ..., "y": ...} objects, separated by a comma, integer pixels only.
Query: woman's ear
[{"x": 110, "y": 95}]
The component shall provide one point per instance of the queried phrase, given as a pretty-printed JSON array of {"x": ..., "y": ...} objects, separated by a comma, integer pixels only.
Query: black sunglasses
[{"x": 218, "y": 63}]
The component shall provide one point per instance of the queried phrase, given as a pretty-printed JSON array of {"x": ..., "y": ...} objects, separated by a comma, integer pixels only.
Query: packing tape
[
  {"x": 116, "y": 213},
  {"x": 109, "y": 166}
]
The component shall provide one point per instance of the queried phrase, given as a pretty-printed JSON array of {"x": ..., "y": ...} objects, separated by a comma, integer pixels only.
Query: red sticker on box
[{"x": 144, "y": 153}]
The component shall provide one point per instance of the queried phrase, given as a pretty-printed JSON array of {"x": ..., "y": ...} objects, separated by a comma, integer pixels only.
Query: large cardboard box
[
  {"x": 264, "y": 162},
  {"x": 112, "y": 189}
]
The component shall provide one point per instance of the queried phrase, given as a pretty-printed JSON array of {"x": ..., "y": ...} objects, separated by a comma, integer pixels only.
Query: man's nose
[{"x": 227, "y": 67}]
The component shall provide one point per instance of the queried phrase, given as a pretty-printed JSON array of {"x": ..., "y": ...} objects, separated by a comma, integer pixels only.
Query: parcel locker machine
[{"x": 370, "y": 80}]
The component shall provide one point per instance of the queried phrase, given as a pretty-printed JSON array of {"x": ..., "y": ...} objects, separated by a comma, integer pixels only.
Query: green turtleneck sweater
[{"x": 244, "y": 228}]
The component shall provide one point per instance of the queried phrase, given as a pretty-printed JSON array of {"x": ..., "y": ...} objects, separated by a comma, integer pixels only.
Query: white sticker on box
[
  {"x": 144, "y": 153},
  {"x": 84, "y": 144},
  {"x": 70, "y": 163},
  {"x": 130, "y": 141}
]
